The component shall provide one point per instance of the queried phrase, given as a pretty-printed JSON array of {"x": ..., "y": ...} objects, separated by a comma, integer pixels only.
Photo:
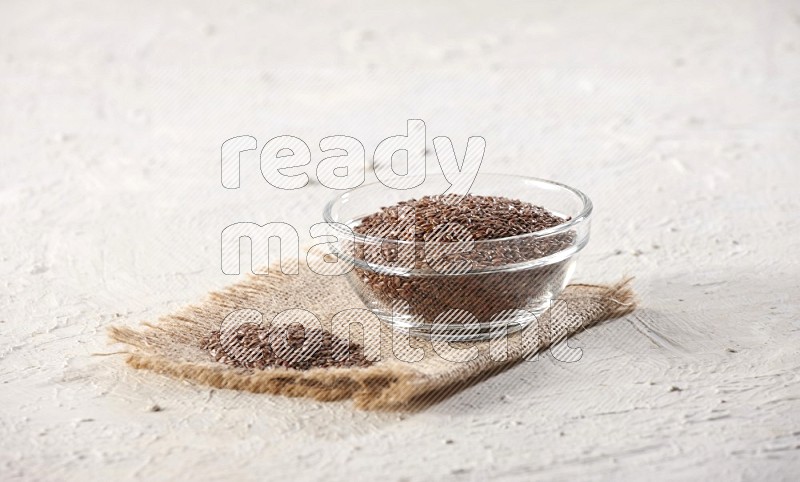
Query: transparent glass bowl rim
[{"x": 583, "y": 214}]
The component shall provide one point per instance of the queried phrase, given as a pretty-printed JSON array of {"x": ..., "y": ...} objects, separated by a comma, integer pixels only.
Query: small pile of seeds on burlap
[
  {"x": 256, "y": 347},
  {"x": 495, "y": 224}
]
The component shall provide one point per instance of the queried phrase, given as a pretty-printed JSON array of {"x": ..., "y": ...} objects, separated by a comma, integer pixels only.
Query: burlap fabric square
[{"x": 407, "y": 374}]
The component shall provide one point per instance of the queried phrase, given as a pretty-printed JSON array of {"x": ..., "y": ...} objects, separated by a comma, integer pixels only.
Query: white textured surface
[{"x": 679, "y": 119}]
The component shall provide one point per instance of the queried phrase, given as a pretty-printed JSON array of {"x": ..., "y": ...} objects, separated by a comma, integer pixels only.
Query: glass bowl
[{"x": 462, "y": 289}]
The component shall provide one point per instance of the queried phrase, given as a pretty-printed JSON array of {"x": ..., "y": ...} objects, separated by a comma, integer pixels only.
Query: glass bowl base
[{"x": 465, "y": 332}]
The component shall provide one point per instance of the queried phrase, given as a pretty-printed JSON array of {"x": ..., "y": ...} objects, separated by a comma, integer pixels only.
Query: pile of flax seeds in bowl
[{"x": 486, "y": 281}]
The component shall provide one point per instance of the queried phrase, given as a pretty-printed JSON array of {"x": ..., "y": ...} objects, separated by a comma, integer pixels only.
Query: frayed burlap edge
[{"x": 374, "y": 388}]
